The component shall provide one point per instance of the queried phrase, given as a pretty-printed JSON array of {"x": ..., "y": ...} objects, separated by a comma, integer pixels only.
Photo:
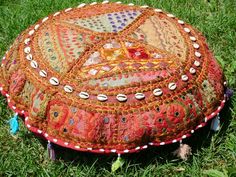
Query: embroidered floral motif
[{"x": 57, "y": 114}]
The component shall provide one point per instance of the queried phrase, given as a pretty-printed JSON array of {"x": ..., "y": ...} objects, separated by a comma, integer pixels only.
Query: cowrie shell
[
  {"x": 196, "y": 46},
  {"x": 45, "y": 19},
  {"x": 36, "y": 27},
  {"x": 139, "y": 96},
  {"x": 31, "y": 32},
  {"x": 43, "y": 73},
  {"x": 192, "y": 38},
  {"x": 184, "y": 77},
  {"x": 196, "y": 63},
  {"x": 54, "y": 81},
  {"x": 170, "y": 15},
  {"x": 121, "y": 97},
  {"x": 172, "y": 86},
  {"x": 27, "y": 50},
  {"x": 187, "y": 30},
  {"x": 81, "y": 5},
  {"x": 29, "y": 57},
  {"x": 67, "y": 10},
  {"x": 192, "y": 70},
  {"x": 33, "y": 64},
  {"x": 102, "y": 97},
  {"x": 84, "y": 95},
  {"x": 197, "y": 54},
  {"x": 158, "y": 10},
  {"x": 105, "y": 2},
  {"x": 57, "y": 13},
  {"x": 157, "y": 92},
  {"x": 93, "y": 3},
  {"x": 27, "y": 41},
  {"x": 145, "y": 6},
  {"x": 181, "y": 22},
  {"x": 68, "y": 89}
]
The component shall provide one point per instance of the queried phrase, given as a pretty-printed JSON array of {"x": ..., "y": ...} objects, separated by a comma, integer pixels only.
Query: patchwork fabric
[
  {"x": 112, "y": 78},
  {"x": 163, "y": 34}
]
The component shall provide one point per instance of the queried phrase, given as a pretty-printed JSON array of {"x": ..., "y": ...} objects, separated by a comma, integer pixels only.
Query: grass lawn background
[{"x": 213, "y": 154}]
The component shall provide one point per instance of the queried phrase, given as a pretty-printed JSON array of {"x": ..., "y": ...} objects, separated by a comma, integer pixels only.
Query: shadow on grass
[{"x": 153, "y": 155}]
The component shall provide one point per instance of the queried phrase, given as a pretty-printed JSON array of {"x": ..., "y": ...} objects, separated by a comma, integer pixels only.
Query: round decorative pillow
[{"x": 112, "y": 78}]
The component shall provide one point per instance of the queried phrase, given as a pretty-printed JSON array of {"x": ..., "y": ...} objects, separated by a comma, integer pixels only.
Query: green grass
[{"x": 213, "y": 154}]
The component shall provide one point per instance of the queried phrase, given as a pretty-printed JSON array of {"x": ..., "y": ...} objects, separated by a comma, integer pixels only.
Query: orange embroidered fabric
[{"x": 112, "y": 78}]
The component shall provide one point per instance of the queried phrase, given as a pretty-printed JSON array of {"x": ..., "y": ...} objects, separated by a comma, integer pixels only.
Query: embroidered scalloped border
[{"x": 104, "y": 151}]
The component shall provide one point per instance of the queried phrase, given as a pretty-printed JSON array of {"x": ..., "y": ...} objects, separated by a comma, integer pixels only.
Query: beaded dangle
[
  {"x": 51, "y": 151},
  {"x": 117, "y": 164},
  {"x": 14, "y": 125}
]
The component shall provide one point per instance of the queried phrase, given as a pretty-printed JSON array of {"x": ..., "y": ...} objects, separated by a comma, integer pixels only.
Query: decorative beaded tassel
[
  {"x": 215, "y": 124},
  {"x": 51, "y": 151},
  {"x": 117, "y": 164},
  {"x": 14, "y": 125},
  {"x": 183, "y": 152}
]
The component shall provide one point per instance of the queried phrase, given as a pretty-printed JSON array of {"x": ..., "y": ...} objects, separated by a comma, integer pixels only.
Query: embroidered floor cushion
[{"x": 112, "y": 78}]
